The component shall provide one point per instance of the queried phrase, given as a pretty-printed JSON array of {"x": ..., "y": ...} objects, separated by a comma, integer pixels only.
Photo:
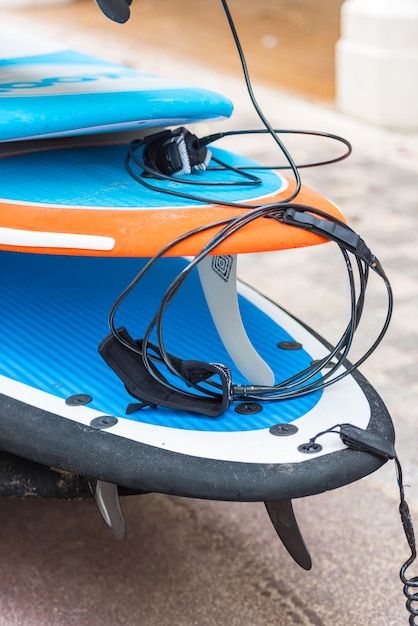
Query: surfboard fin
[
  {"x": 218, "y": 277},
  {"x": 284, "y": 521},
  {"x": 107, "y": 499}
]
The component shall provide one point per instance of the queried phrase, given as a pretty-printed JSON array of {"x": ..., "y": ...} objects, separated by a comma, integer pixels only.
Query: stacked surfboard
[{"x": 75, "y": 230}]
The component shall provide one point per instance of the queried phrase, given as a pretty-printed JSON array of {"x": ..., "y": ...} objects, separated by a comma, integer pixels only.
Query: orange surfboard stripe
[{"x": 143, "y": 232}]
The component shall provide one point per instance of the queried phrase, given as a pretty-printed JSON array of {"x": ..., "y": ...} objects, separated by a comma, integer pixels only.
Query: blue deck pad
[
  {"x": 70, "y": 92},
  {"x": 54, "y": 315},
  {"x": 96, "y": 177}
]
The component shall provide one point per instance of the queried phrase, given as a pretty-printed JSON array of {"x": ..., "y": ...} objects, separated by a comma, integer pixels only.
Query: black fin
[{"x": 285, "y": 524}]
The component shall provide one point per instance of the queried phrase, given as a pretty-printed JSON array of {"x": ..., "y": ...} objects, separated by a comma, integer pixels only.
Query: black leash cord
[
  {"x": 205, "y": 141},
  {"x": 371, "y": 442},
  {"x": 256, "y": 106},
  {"x": 145, "y": 173},
  {"x": 292, "y": 387},
  {"x": 301, "y": 383},
  {"x": 408, "y": 583},
  {"x": 132, "y": 157}
]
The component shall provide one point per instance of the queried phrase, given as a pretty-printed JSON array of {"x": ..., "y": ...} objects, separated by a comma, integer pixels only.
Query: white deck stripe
[{"x": 40, "y": 239}]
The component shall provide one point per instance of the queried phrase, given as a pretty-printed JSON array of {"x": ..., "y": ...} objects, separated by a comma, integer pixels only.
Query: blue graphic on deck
[{"x": 54, "y": 315}]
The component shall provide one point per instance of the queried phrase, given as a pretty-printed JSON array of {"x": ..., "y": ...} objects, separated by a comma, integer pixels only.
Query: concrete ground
[{"x": 191, "y": 562}]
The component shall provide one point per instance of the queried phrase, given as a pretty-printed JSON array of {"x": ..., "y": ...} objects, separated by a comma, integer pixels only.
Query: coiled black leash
[
  {"x": 408, "y": 583},
  {"x": 366, "y": 441}
]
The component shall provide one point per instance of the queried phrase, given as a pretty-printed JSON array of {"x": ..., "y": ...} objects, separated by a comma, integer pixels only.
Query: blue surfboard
[
  {"x": 61, "y": 404},
  {"x": 63, "y": 409},
  {"x": 48, "y": 91}
]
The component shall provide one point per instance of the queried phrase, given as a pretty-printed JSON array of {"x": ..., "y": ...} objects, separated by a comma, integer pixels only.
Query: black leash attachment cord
[
  {"x": 301, "y": 383},
  {"x": 366, "y": 441}
]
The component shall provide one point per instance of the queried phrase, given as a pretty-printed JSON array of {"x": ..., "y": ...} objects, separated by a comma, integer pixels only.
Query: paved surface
[{"x": 188, "y": 562}]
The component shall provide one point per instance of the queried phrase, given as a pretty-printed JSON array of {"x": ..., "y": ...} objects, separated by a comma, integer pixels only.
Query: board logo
[
  {"x": 54, "y": 80},
  {"x": 222, "y": 265},
  {"x": 71, "y": 79}
]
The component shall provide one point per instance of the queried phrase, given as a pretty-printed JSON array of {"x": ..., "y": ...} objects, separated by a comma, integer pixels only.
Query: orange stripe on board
[{"x": 144, "y": 232}]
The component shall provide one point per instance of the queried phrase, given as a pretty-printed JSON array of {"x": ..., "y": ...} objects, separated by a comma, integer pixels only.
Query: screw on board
[
  {"x": 248, "y": 408},
  {"x": 283, "y": 430},
  {"x": 289, "y": 345},
  {"x": 79, "y": 399},
  {"x": 310, "y": 447},
  {"x": 104, "y": 421}
]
